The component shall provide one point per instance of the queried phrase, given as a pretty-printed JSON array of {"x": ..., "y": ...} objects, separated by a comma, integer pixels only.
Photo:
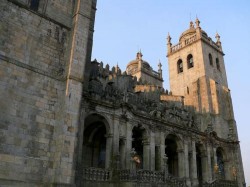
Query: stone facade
[{"x": 67, "y": 121}]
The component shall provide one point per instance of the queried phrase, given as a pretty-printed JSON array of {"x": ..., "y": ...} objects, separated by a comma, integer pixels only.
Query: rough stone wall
[
  {"x": 32, "y": 41},
  {"x": 32, "y": 63},
  {"x": 38, "y": 121},
  {"x": 29, "y": 108}
]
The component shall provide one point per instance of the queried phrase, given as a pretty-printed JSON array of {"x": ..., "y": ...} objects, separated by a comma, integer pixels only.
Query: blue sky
[{"x": 124, "y": 27}]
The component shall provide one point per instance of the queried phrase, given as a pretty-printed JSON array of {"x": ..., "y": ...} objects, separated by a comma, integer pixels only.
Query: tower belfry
[{"x": 197, "y": 70}]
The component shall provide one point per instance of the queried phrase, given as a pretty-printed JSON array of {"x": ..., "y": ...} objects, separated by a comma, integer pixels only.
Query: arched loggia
[
  {"x": 140, "y": 145},
  {"x": 174, "y": 154},
  {"x": 201, "y": 163},
  {"x": 94, "y": 151}
]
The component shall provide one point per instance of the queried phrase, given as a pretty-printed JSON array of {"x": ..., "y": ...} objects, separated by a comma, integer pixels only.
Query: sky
[{"x": 124, "y": 27}]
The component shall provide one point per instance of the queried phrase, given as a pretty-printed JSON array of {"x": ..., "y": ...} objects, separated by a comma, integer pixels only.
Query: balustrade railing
[
  {"x": 190, "y": 40},
  {"x": 141, "y": 176},
  {"x": 176, "y": 47},
  {"x": 147, "y": 176},
  {"x": 221, "y": 183},
  {"x": 96, "y": 174}
]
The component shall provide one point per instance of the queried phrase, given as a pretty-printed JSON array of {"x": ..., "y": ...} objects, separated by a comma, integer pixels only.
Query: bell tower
[{"x": 197, "y": 72}]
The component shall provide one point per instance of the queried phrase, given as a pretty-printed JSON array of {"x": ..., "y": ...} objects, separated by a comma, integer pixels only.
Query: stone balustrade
[
  {"x": 221, "y": 183},
  {"x": 183, "y": 44},
  {"x": 176, "y": 47},
  {"x": 146, "y": 176},
  {"x": 96, "y": 174},
  {"x": 190, "y": 40}
]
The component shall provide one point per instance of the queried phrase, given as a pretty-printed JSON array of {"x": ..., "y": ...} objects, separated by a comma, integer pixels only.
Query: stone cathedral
[{"x": 68, "y": 121}]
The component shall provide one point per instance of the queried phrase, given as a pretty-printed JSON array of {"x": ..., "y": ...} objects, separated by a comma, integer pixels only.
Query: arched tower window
[
  {"x": 190, "y": 61},
  {"x": 210, "y": 59},
  {"x": 217, "y": 64},
  {"x": 179, "y": 66},
  {"x": 34, "y": 4}
]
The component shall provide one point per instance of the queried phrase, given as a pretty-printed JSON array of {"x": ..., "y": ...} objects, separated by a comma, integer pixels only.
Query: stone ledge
[{"x": 31, "y": 68}]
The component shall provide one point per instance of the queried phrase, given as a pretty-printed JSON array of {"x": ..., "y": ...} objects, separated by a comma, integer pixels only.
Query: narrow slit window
[
  {"x": 217, "y": 64},
  {"x": 34, "y": 4},
  {"x": 210, "y": 59}
]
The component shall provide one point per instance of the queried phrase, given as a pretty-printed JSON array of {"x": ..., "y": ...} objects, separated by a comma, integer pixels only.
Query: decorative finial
[
  {"x": 159, "y": 65},
  {"x": 197, "y": 22},
  {"x": 159, "y": 69},
  {"x": 218, "y": 42},
  {"x": 139, "y": 55},
  {"x": 169, "y": 38},
  {"x": 191, "y": 24},
  {"x": 217, "y": 36}
]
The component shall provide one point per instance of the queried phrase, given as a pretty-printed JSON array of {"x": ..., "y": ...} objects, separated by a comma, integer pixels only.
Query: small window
[
  {"x": 34, "y": 4},
  {"x": 210, "y": 59},
  {"x": 180, "y": 66},
  {"x": 217, "y": 64},
  {"x": 190, "y": 61}
]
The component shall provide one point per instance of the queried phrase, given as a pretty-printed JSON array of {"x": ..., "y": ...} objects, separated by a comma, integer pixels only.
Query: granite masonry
[{"x": 68, "y": 121}]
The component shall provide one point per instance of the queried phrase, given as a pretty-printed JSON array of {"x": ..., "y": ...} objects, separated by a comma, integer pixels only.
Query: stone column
[
  {"x": 152, "y": 151},
  {"x": 146, "y": 154},
  {"x": 181, "y": 164},
  {"x": 204, "y": 166},
  {"x": 116, "y": 136},
  {"x": 194, "y": 166},
  {"x": 122, "y": 154},
  {"x": 209, "y": 165},
  {"x": 215, "y": 164},
  {"x": 186, "y": 162},
  {"x": 162, "y": 151},
  {"x": 108, "y": 155},
  {"x": 227, "y": 170},
  {"x": 128, "y": 145}
]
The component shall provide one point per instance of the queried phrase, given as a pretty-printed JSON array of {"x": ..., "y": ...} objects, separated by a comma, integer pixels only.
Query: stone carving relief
[{"x": 107, "y": 86}]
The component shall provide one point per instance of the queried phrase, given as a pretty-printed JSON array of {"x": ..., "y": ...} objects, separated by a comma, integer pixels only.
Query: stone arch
[
  {"x": 178, "y": 139},
  {"x": 201, "y": 162},
  {"x": 190, "y": 61},
  {"x": 95, "y": 116},
  {"x": 174, "y": 152},
  {"x": 140, "y": 138},
  {"x": 142, "y": 126},
  {"x": 94, "y": 147},
  {"x": 179, "y": 66}
]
